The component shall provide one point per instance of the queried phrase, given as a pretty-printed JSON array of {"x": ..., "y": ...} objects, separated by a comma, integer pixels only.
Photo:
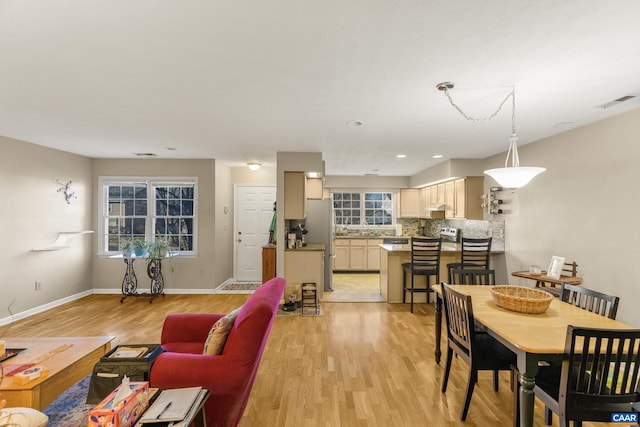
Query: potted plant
[
  {"x": 126, "y": 248},
  {"x": 139, "y": 247},
  {"x": 159, "y": 249}
]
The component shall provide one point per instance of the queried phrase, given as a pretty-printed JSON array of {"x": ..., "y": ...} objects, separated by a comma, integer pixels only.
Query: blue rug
[{"x": 70, "y": 408}]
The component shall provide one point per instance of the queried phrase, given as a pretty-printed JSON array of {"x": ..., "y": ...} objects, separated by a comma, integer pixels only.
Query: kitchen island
[{"x": 393, "y": 256}]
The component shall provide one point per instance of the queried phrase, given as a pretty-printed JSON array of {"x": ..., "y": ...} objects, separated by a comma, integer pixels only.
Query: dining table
[{"x": 533, "y": 338}]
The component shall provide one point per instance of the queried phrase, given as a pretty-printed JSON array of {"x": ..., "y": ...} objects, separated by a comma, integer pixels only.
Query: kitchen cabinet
[
  {"x": 373, "y": 254},
  {"x": 356, "y": 254},
  {"x": 295, "y": 197},
  {"x": 467, "y": 198},
  {"x": 409, "y": 203},
  {"x": 314, "y": 188},
  {"x": 304, "y": 266},
  {"x": 449, "y": 199},
  {"x": 341, "y": 254}
]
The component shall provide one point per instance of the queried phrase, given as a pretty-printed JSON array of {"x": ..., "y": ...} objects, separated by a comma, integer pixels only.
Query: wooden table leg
[
  {"x": 526, "y": 395},
  {"x": 438, "y": 312}
]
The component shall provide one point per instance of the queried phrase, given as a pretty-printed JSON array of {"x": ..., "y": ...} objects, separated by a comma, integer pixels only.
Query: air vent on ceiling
[
  {"x": 145, "y": 155},
  {"x": 617, "y": 101}
]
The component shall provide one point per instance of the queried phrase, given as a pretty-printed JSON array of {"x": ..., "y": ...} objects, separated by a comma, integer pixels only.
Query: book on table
[{"x": 173, "y": 405}]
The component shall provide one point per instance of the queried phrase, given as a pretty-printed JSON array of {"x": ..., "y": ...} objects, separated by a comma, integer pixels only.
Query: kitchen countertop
[
  {"x": 309, "y": 247},
  {"x": 362, "y": 237},
  {"x": 446, "y": 247}
]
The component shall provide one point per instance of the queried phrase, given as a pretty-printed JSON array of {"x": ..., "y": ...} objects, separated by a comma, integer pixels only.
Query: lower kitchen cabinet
[
  {"x": 356, "y": 254},
  {"x": 304, "y": 266}
]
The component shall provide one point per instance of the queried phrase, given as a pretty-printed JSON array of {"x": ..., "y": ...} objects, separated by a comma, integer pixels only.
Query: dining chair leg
[
  {"x": 447, "y": 369},
  {"x": 404, "y": 285},
  {"x": 515, "y": 388},
  {"x": 473, "y": 378},
  {"x": 496, "y": 380},
  {"x": 548, "y": 416}
]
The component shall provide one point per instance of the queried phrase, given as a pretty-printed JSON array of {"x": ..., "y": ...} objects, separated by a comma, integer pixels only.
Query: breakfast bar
[{"x": 392, "y": 256}]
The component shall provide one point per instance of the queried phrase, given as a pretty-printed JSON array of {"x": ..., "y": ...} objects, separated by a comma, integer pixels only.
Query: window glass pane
[{"x": 187, "y": 207}]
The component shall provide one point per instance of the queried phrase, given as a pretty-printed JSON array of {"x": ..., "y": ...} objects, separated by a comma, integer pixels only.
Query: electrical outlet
[{"x": 38, "y": 285}]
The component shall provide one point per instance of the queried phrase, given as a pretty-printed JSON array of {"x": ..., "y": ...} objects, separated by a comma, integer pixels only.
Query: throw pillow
[
  {"x": 23, "y": 417},
  {"x": 219, "y": 332}
]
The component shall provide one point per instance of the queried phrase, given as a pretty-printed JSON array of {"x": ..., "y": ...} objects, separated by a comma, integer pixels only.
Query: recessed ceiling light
[
  {"x": 254, "y": 166},
  {"x": 355, "y": 123},
  {"x": 437, "y": 156},
  {"x": 401, "y": 156}
]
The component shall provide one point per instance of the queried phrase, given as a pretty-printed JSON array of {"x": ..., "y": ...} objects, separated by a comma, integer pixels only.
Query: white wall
[
  {"x": 584, "y": 207},
  {"x": 32, "y": 212}
]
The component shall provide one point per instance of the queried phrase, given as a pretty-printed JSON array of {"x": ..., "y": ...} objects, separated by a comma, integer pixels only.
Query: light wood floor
[{"x": 359, "y": 364}]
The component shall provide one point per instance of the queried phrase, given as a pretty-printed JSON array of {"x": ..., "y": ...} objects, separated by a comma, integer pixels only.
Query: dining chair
[
  {"x": 599, "y": 376},
  {"x": 476, "y": 276},
  {"x": 425, "y": 261},
  {"x": 474, "y": 253},
  {"x": 596, "y": 302},
  {"x": 481, "y": 352},
  {"x": 590, "y": 300}
]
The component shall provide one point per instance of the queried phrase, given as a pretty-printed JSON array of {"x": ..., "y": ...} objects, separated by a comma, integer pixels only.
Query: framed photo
[{"x": 555, "y": 267}]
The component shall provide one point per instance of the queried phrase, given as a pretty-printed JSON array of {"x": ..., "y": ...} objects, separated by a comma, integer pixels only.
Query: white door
[{"x": 254, "y": 210}]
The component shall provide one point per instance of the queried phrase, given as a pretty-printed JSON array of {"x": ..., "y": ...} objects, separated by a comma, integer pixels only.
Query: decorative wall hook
[{"x": 66, "y": 190}]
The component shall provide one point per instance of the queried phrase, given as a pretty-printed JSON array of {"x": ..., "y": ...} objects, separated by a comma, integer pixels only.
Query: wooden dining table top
[{"x": 531, "y": 333}]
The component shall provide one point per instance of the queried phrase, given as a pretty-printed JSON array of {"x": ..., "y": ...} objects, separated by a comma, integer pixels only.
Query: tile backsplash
[{"x": 469, "y": 228}]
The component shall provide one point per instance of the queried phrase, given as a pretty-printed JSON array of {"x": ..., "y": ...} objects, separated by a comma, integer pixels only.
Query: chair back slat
[
  {"x": 588, "y": 299},
  {"x": 475, "y": 252},
  {"x": 602, "y": 366},
  {"x": 425, "y": 253},
  {"x": 468, "y": 276},
  {"x": 459, "y": 317}
]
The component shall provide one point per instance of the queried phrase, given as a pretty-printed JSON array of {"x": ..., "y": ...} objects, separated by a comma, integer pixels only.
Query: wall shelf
[{"x": 62, "y": 241}]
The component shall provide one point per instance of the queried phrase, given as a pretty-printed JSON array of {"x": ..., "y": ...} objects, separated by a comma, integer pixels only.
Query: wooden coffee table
[{"x": 67, "y": 359}]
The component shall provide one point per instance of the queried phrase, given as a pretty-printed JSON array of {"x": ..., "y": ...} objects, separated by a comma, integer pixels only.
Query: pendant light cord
[{"x": 513, "y": 140}]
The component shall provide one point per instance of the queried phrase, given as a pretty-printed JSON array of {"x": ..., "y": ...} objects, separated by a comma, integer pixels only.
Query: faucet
[{"x": 364, "y": 226}]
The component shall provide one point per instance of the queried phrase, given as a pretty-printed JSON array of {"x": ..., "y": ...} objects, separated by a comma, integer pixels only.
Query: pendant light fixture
[{"x": 510, "y": 176}]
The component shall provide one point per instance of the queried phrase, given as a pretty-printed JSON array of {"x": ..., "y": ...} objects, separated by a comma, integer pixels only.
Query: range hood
[{"x": 437, "y": 208}]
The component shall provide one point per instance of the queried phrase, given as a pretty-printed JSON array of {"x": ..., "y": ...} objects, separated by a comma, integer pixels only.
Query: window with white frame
[
  {"x": 354, "y": 208},
  {"x": 148, "y": 209}
]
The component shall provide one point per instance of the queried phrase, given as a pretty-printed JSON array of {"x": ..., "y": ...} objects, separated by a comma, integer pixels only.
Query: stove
[{"x": 450, "y": 234}]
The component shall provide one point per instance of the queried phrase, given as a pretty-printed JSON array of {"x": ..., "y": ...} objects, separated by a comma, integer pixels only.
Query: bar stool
[
  {"x": 425, "y": 261},
  {"x": 474, "y": 253}
]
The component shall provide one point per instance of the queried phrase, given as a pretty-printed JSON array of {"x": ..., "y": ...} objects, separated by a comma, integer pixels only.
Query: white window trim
[
  {"x": 394, "y": 203},
  {"x": 151, "y": 181}
]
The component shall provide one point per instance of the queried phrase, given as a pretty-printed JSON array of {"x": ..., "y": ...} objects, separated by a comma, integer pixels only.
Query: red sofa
[{"x": 229, "y": 376}]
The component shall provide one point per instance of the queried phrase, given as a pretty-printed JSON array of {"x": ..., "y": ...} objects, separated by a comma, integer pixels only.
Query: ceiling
[{"x": 240, "y": 80}]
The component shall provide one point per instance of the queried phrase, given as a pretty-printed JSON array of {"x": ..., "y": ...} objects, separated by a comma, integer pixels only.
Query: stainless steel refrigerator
[{"x": 320, "y": 226}]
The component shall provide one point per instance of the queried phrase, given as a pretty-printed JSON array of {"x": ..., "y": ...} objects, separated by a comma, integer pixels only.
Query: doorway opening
[{"x": 354, "y": 287}]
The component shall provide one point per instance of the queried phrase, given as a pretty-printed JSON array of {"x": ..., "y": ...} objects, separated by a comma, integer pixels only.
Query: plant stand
[{"x": 130, "y": 281}]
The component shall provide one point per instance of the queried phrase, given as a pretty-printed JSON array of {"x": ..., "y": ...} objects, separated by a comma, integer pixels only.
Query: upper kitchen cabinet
[
  {"x": 314, "y": 188},
  {"x": 295, "y": 195},
  {"x": 464, "y": 198},
  {"x": 409, "y": 203}
]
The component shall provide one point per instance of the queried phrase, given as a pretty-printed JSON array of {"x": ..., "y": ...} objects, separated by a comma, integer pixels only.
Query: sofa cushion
[
  {"x": 23, "y": 417},
  {"x": 219, "y": 333}
]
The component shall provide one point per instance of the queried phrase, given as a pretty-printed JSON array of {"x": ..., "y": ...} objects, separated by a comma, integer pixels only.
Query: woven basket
[{"x": 521, "y": 299}]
